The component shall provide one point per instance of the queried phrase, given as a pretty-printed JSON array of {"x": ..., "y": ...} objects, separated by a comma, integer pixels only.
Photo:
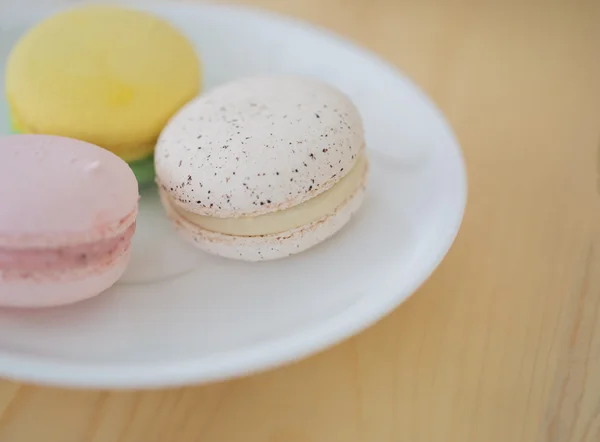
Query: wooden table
[{"x": 503, "y": 343}]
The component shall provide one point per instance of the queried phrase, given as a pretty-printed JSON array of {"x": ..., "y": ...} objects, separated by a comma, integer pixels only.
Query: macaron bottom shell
[
  {"x": 63, "y": 290},
  {"x": 266, "y": 247}
]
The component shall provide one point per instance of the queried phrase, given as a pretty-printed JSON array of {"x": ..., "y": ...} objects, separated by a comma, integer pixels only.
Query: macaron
[
  {"x": 68, "y": 215},
  {"x": 264, "y": 167},
  {"x": 105, "y": 74}
]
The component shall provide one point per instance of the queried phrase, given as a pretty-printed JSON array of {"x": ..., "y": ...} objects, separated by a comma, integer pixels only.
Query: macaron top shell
[
  {"x": 56, "y": 191},
  {"x": 105, "y": 74},
  {"x": 258, "y": 145}
]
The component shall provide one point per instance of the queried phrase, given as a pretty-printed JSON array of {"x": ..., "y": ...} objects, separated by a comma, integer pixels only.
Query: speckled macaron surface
[
  {"x": 263, "y": 168},
  {"x": 258, "y": 145}
]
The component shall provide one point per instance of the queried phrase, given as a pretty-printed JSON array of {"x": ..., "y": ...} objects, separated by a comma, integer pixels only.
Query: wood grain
[{"x": 503, "y": 342}]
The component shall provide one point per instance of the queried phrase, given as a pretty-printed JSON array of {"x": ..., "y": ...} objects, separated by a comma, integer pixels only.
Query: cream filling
[{"x": 312, "y": 210}]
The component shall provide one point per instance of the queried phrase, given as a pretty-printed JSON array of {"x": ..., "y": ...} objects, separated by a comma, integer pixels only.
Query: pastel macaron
[
  {"x": 264, "y": 167},
  {"x": 68, "y": 215},
  {"x": 105, "y": 74}
]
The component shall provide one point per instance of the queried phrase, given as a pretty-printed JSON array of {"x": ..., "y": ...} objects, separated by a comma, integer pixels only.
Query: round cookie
[
  {"x": 105, "y": 74},
  {"x": 263, "y": 167},
  {"x": 68, "y": 215}
]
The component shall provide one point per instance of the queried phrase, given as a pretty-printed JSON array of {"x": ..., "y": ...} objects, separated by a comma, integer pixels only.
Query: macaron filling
[
  {"x": 143, "y": 169},
  {"x": 302, "y": 214},
  {"x": 40, "y": 260}
]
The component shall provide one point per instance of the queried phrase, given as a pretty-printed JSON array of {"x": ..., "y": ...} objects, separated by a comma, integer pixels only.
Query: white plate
[{"x": 180, "y": 316}]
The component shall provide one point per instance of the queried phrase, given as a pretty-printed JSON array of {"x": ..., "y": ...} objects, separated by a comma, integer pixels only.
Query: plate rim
[{"x": 273, "y": 353}]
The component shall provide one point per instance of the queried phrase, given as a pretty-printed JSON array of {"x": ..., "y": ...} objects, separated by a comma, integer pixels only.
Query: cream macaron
[{"x": 264, "y": 167}]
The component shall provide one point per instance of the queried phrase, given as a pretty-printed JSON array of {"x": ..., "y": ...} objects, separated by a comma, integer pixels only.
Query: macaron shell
[
  {"x": 258, "y": 145},
  {"x": 266, "y": 247},
  {"x": 56, "y": 191},
  {"x": 105, "y": 74},
  {"x": 67, "y": 289}
]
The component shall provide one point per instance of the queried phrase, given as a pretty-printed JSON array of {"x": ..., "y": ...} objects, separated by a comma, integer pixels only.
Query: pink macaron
[{"x": 68, "y": 214}]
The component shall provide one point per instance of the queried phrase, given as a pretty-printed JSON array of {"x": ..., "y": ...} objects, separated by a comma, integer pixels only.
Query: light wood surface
[{"x": 503, "y": 343}]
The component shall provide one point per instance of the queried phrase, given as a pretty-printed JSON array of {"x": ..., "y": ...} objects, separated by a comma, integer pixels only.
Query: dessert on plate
[
  {"x": 108, "y": 75},
  {"x": 68, "y": 216},
  {"x": 263, "y": 167}
]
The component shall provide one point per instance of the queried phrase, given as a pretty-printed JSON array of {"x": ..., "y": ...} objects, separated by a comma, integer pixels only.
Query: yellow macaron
[{"x": 109, "y": 75}]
